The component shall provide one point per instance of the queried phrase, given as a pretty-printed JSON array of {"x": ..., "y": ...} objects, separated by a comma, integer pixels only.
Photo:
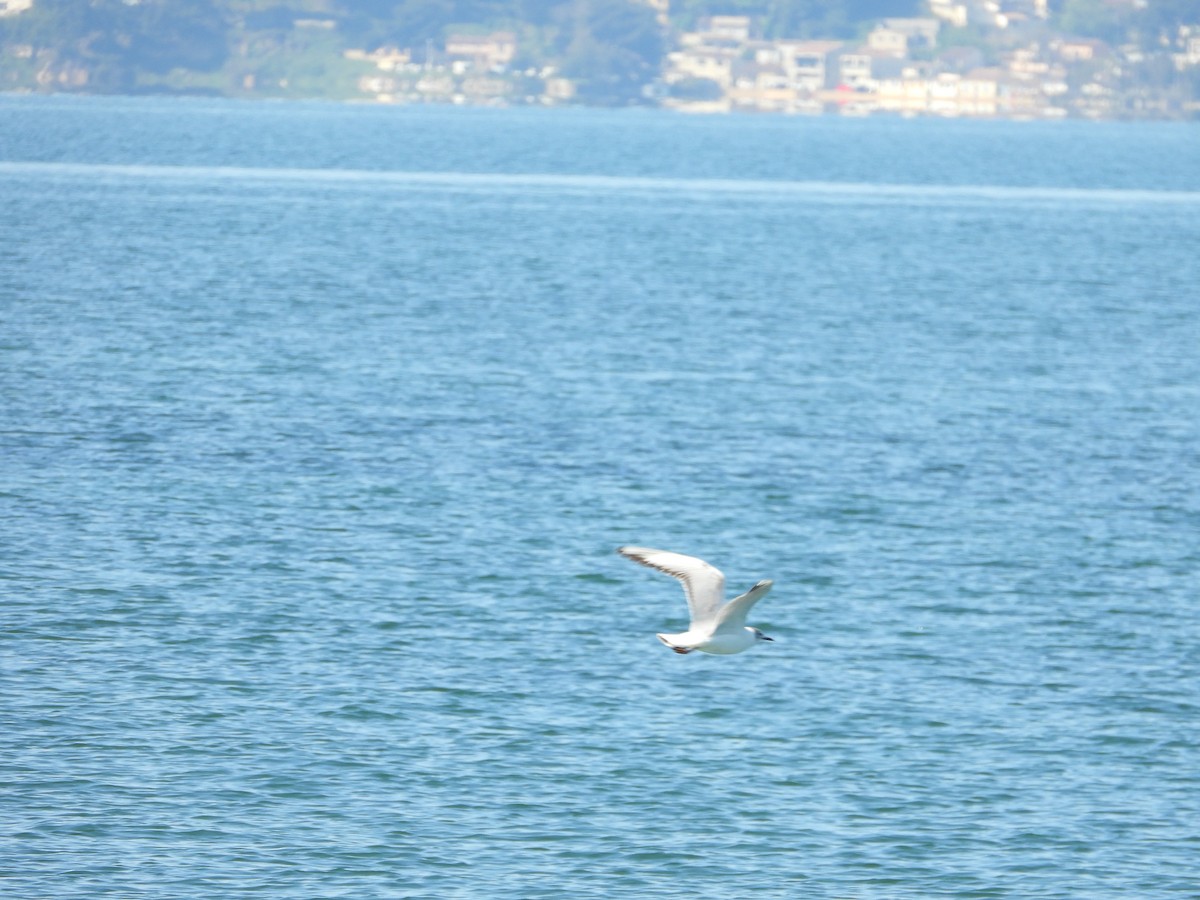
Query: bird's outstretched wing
[
  {"x": 703, "y": 584},
  {"x": 732, "y": 616}
]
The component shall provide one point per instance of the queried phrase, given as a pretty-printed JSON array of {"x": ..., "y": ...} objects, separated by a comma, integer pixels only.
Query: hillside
[
  {"x": 1130, "y": 57},
  {"x": 235, "y": 46}
]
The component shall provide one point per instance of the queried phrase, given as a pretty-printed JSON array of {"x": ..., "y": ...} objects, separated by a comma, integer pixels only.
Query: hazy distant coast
[{"x": 1035, "y": 59}]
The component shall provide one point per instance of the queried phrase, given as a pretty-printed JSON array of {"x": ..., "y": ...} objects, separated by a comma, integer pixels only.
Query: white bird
[{"x": 717, "y": 627}]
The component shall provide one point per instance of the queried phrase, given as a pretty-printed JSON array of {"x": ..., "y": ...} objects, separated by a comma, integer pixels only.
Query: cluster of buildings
[
  {"x": 468, "y": 68},
  {"x": 901, "y": 68},
  {"x": 972, "y": 58},
  {"x": 1018, "y": 66}
]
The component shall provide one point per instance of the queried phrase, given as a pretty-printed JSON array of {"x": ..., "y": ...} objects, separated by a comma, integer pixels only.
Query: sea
[{"x": 320, "y": 425}]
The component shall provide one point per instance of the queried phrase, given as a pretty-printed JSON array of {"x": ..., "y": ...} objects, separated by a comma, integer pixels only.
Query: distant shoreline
[{"x": 675, "y": 109}]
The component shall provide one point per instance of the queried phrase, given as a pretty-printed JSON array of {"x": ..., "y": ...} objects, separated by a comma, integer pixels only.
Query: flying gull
[{"x": 716, "y": 627}]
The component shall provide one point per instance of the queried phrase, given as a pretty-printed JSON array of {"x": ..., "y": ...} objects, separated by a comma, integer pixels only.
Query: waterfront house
[
  {"x": 1191, "y": 53},
  {"x": 949, "y": 94},
  {"x": 386, "y": 59},
  {"x": 764, "y": 88},
  {"x": 810, "y": 65},
  {"x": 1079, "y": 50},
  {"x": 888, "y": 41},
  {"x": 733, "y": 28},
  {"x": 711, "y": 63},
  {"x": 956, "y": 14},
  {"x": 488, "y": 51},
  {"x": 484, "y": 87},
  {"x": 856, "y": 69},
  {"x": 897, "y": 37}
]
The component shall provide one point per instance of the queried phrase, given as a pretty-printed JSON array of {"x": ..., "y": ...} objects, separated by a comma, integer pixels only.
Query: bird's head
[{"x": 759, "y": 636}]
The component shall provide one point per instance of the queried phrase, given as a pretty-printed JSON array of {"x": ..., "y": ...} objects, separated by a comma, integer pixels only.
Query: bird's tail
[{"x": 675, "y": 647}]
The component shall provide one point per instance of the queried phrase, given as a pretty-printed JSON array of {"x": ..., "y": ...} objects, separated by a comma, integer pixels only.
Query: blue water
[{"x": 320, "y": 425}]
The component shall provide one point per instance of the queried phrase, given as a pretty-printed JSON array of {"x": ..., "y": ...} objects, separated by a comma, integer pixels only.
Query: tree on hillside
[
  {"x": 410, "y": 23},
  {"x": 611, "y": 47},
  {"x": 169, "y": 34},
  {"x": 404, "y": 23},
  {"x": 1094, "y": 19},
  {"x": 1161, "y": 19},
  {"x": 799, "y": 18},
  {"x": 114, "y": 40}
]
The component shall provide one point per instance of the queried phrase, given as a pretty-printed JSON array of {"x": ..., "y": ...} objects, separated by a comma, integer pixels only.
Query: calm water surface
[{"x": 320, "y": 425}]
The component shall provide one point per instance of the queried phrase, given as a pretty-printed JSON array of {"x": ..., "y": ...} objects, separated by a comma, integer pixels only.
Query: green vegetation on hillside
[
  {"x": 116, "y": 41},
  {"x": 610, "y": 49},
  {"x": 799, "y": 18}
]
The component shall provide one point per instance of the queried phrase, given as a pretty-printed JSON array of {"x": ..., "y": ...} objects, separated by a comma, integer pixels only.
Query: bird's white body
[
  {"x": 701, "y": 639},
  {"x": 716, "y": 627}
]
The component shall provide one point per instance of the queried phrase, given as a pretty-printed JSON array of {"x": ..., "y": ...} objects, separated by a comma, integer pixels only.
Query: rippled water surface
[{"x": 320, "y": 425}]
